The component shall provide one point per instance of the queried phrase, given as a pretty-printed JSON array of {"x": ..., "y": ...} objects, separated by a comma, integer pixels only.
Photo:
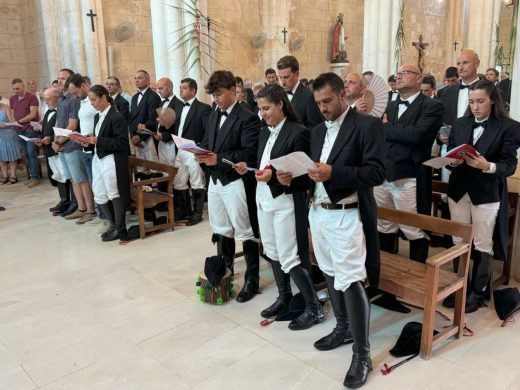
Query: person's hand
[
  {"x": 38, "y": 142},
  {"x": 158, "y": 136},
  {"x": 321, "y": 173},
  {"x": 241, "y": 168},
  {"x": 478, "y": 162},
  {"x": 385, "y": 118},
  {"x": 141, "y": 126},
  {"x": 57, "y": 148},
  {"x": 362, "y": 105},
  {"x": 92, "y": 140},
  {"x": 46, "y": 140},
  {"x": 210, "y": 159},
  {"x": 284, "y": 178},
  {"x": 135, "y": 140},
  {"x": 264, "y": 175},
  {"x": 457, "y": 162}
]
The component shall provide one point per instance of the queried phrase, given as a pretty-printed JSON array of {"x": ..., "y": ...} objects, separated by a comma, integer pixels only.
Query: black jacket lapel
[
  {"x": 488, "y": 135},
  {"x": 223, "y": 132},
  {"x": 282, "y": 138},
  {"x": 344, "y": 135}
]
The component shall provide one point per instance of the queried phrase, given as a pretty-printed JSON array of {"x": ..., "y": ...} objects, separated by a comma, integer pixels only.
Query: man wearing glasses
[
  {"x": 411, "y": 123},
  {"x": 113, "y": 86}
]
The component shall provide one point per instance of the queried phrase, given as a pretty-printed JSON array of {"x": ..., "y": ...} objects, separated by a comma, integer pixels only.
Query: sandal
[
  {"x": 13, "y": 180},
  {"x": 4, "y": 180}
]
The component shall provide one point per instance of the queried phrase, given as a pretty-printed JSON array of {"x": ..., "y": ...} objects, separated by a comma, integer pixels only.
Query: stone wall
[{"x": 135, "y": 53}]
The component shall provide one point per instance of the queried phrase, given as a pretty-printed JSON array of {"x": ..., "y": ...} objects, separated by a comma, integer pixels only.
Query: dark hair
[
  {"x": 54, "y": 81},
  {"x": 499, "y": 107},
  {"x": 239, "y": 81},
  {"x": 100, "y": 91},
  {"x": 494, "y": 71},
  {"x": 69, "y": 71},
  {"x": 16, "y": 81},
  {"x": 451, "y": 72},
  {"x": 430, "y": 80},
  {"x": 192, "y": 84},
  {"x": 275, "y": 94},
  {"x": 146, "y": 74},
  {"x": 220, "y": 79},
  {"x": 269, "y": 71},
  {"x": 77, "y": 80},
  {"x": 391, "y": 79},
  {"x": 118, "y": 83},
  {"x": 87, "y": 80},
  {"x": 288, "y": 62},
  {"x": 332, "y": 79}
]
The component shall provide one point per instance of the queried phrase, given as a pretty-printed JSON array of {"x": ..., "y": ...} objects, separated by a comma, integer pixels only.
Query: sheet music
[{"x": 295, "y": 163}]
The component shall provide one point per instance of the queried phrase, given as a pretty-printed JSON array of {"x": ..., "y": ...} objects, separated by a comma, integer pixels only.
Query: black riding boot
[
  {"x": 358, "y": 308},
  {"x": 341, "y": 333},
  {"x": 108, "y": 209},
  {"x": 419, "y": 249},
  {"x": 64, "y": 199},
  {"x": 183, "y": 202},
  {"x": 226, "y": 247},
  {"x": 388, "y": 242},
  {"x": 119, "y": 232},
  {"x": 198, "y": 206},
  {"x": 283, "y": 282},
  {"x": 73, "y": 205},
  {"x": 252, "y": 275},
  {"x": 481, "y": 274},
  {"x": 313, "y": 313}
]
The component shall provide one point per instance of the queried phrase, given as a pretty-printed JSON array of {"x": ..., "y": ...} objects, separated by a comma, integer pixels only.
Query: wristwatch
[{"x": 57, "y": 143}]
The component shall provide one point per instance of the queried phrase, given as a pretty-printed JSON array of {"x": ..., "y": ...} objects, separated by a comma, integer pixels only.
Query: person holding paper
[
  {"x": 276, "y": 206},
  {"x": 477, "y": 191},
  {"x": 349, "y": 151},
  {"x": 110, "y": 163},
  {"x": 232, "y": 134},
  {"x": 9, "y": 149}
]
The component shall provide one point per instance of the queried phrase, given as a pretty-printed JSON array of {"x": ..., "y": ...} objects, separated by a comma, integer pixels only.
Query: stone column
[
  {"x": 69, "y": 40},
  {"x": 380, "y": 26},
  {"x": 484, "y": 15}
]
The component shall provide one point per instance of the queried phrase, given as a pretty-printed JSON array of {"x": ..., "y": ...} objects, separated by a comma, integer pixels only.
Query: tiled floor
[{"x": 77, "y": 313}]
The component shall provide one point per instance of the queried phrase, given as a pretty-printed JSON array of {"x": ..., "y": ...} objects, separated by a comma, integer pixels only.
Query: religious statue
[
  {"x": 339, "y": 50},
  {"x": 421, "y": 49}
]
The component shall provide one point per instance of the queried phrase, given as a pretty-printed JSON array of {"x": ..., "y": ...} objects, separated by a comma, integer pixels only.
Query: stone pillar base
[{"x": 339, "y": 68}]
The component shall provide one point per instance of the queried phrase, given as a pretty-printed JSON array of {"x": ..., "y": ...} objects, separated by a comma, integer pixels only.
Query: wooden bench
[
  {"x": 140, "y": 199},
  {"x": 427, "y": 284},
  {"x": 440, "y": 188}
]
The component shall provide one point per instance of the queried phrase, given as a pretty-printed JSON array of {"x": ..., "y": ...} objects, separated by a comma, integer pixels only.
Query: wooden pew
[
  {"x": 440, "y": 188},
  {"x": 139, "y": 199},
  {"x": 427, "y": 284}
]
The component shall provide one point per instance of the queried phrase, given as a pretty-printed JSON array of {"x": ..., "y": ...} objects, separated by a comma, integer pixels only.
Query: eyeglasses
[{"x": 398, "y": 74}]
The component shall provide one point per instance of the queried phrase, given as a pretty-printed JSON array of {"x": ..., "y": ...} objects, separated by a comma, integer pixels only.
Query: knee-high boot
[
  {"x": 64, "y": 199},
  {"x": 73, "y": 205},
  {"x": 108, "y": 209},
  {"x": 479, "y": 284},
  {"x": 226, "y": 247},
  {"x": 252, "y": 275},
  {"x": 283, "y": 282},
  {"x": 198, "y": 206},
  {"x": 313, "y": 313},
  {"x": 119, "y": 232},
  {"x": 419, "y": 249},
  {"x": 341, "y": 333},
  {"x": 358, "y": 308}
]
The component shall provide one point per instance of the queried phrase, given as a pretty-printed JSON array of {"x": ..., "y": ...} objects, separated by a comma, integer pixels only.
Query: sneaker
[
  {"x": 33, "y": 183},
  {"x": 86, "y": 218},
  {"x": 76, "y": 214},
  {"x": 103, "y": 227}
]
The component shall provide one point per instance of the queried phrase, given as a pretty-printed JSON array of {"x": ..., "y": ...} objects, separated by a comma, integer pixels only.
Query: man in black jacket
[
  {"x": 143, "y": 116},
  {"x": 349, "y": 153},
  {"x": 299, "y": 95},
  {"x": 232, "y": 134},
  {"x": 113, "y": 85}
]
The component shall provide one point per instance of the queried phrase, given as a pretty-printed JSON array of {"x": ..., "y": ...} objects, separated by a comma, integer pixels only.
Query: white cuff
[{"x": 492, "y": 168}]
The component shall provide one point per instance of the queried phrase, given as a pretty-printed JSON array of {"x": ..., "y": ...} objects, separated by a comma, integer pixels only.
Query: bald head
[
  {"x": 467, "y": 65},
  {"x": 408, "y": 80},
  {"x": 354, "y": 84},
  {"x": 165, "y": 87}
]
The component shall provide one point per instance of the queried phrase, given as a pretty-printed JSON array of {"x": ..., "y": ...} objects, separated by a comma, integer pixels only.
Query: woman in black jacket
[
  {"x": 276, "y": 205},
  {"x": 478, "y": 181},
  {"x": 110, "y": 182}
]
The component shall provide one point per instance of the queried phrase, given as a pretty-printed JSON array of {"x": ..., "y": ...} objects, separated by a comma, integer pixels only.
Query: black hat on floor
[
  {"x": 215, "y": 269},
  {"x": 507, "y": 302},
  {"x": 409, "y": 341}
]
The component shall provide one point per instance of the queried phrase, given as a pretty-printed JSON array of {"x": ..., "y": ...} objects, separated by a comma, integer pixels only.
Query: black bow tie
[
  {"x": 405, "y": 102},
  {"x": 186, "y": 104},
  {"x": 463, "y": 86},
  {"x": 165, "y": 101},
  {"x": 478, "y": 124},
  {"x": 140, "y": 93},
  {"x": 224, "y": 113},
  {"x": 51, "y": 110},
  {"x": 290, "y": 93}
]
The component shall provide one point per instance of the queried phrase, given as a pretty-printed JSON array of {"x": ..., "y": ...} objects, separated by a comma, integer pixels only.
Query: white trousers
[
  {"x": 57, "y": 169},
  {"x": 104, "y": 179},
  {"x": 483, "y": 218},
  {"x": 278, "y": 232},
  {"x": 167, "y": 153},
  {"x": 445, "y": 172},
  {"x": 148, "y": 152},
  {"x": 189, "y": 170},
  {"x": 339, "y": 245},
  {"x": 227, "y": 209},
  {"x": 402, "y": 195}
]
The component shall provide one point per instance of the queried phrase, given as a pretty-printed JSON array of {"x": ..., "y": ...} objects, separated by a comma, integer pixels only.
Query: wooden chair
[
  {"x": 440, "y": 188},
  {"x": 427, "y": 284},
  {"x": 140, "y": 199}
]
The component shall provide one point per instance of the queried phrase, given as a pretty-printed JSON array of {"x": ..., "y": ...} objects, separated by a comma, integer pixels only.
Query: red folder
[{"x": 462, "y": 150}]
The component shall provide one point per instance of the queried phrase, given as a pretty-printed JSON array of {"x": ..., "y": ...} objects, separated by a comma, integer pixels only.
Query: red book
[{"x": 462, "y": 150}]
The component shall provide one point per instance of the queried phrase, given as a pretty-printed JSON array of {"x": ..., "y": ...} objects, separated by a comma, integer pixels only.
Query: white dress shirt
[
  {"x": 463, "y": 101},
  {"x": 184, "y": 114}
]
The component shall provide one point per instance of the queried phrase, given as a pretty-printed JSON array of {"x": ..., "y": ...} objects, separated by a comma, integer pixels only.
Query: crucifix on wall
[
  {"x": 91, "y": 15},
  {"x": 455, "y": 45},
  {"x": 284, "y": 32}
]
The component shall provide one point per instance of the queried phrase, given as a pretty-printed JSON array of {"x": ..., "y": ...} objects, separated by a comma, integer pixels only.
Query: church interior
[{"x": 79, "y": 313}]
